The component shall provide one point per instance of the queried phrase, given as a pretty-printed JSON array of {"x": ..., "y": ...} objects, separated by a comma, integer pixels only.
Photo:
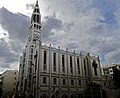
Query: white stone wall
[{"x": 50, "y": 74}]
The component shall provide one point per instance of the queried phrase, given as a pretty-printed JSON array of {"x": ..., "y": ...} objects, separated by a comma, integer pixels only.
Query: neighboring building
[
  {"x": 46, "y": 71},
  {"x": 0, "y": 82},
  {"x": 109, "y": 69},
  {"x": 0, "y": 85},
  {"x": 9, "y": 81}
]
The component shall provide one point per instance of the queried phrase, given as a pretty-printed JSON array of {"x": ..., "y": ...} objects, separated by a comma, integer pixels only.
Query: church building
[{"x": 48, "y": 72}]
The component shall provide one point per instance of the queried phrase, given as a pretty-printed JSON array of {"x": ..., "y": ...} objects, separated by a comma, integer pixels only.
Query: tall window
[
  {"x": 64, "y": 81},
  {"x": 54, "y": 62},
  {"x": 31, "y": 50},
  {"x": 45, "y": 60},
  {"x": 54, "y": 81},
  {"x": 29, "y": 77},
  {"x": 71, "y": 66},
  {"x": 44, "y": 80},
  {"x": 85, "y": 67},
  {"x": 29, "y": 84},
  {"x": 63, "y": 63},
  {"x": 35, "y": 57},
  {"x": 72, "y": 82},
  {"x": 31, "y": 56},
  {"x": 79, "y": 82},
  {"x": 24, "y": 54},
  {"x": 78, "y": 65}
]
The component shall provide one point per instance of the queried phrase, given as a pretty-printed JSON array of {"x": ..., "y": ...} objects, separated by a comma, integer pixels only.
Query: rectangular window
[
  {"x": 104, "y": 83},
  {"x": 71, "y": 66},
  {"x": 31, "y": 50},
  {"x": 64, "y": 81},
  {"x": 30, "y": 70},
  {"x": 22, "y": 78},
  {"x": 63, "y": 63},
  {"x": 35, "y": 65},
  {"x": 30, "y": 77},
  {"x": 21, "y": 84},
  {"x": 86, "y": 83},
  {"x": 35, "y": 57},
  {"x": 23, "y": 60},
  {"x": 54, "y": 62},
  {"x": 54, "y": 81},
  {"x": 72, "y": 82},
  {"x": 44, "y": 80},
  {"x": 78, "y": 65},
  {"x": 30, "y": 63},
  {"x": 24, "y": 54},
  {"x": 30, "y": 56},
  {"x": 29, "y": 84},
  {"x": 45, "y": 60},
  {"x": 79, "y": 82},
  {"x": 85, "y": 67}
]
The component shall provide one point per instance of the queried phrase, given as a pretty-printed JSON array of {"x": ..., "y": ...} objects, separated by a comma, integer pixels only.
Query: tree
[
  {"x": 116, "y": 77},
  {"x": 1, "y": 91}
]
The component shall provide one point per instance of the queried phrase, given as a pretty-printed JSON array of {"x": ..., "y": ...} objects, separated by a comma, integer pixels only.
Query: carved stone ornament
[{"x": 94, "y": 64}]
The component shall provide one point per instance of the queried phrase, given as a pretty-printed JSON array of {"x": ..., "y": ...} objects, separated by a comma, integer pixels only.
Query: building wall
[
  {"x": 109, "y": 69},
  {"x": 42, "y": 71},
  {"x": 80, "y": 80},
  {"x": 9, "y": 81}
]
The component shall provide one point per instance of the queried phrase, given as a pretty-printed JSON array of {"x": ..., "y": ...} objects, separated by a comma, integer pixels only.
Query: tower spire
[
  {"x": 36, "y": 17},
  {"x": 35, "y": 27},
  {"x": 37, "y": 3}
]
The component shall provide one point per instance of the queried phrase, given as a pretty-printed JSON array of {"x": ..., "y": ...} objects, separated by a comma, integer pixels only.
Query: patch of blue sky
[
  {"x": 102, "y": 57},
  {"x": 107, "y": 9}
]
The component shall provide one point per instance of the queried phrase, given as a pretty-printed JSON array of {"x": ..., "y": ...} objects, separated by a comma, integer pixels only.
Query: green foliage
[{"x": 116, "y": 77}]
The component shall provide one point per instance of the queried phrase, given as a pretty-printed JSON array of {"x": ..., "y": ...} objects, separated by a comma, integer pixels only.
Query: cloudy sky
[{"x": 82, "y": 25}]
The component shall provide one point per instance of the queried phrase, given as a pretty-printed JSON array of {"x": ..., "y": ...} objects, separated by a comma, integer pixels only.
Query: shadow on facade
[{"x": 95, "y": 91}]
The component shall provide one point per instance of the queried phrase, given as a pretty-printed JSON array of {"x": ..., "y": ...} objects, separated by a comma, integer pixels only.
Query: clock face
[{"x": 36, "y": 37}]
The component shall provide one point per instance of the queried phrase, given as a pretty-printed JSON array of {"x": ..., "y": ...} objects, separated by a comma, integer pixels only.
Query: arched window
[
  {"x": 44, "y": 96},
  {"x": 53, "y": 96},
  {"x": 72, "y": 96},
  {"x": 64, "y": 96},
  {"x": 80, "y": 96}
]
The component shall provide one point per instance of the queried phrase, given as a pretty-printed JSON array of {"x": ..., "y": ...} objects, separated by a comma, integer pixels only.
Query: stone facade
[
  {"x": 9, "y": 82},
  {"x": 51, "y": 72}
]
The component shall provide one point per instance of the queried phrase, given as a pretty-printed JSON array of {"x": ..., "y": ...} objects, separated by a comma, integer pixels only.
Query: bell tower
[
  {"x": 35, "y": 26},
  {"x": 33, "y": 40}
]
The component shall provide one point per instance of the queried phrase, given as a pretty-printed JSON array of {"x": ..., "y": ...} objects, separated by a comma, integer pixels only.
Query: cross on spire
[{"x": 37, "y": 3}]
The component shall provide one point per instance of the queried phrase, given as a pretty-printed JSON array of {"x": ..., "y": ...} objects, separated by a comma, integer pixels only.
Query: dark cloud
[
  {"x": 50, "y": 23},
  {"x": 6, "y": 55},
  {"x": 15, "y": 24},
  {"x": 17, "y": 27}
]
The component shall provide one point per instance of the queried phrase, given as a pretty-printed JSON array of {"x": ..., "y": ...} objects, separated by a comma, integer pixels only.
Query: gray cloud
[
  {"x": 29, "y": 6},
  {"x": 78, "y": 25},
  {"x": 17, "y": 27},
  {"x": 50, "y": 23},
  {"x": 92, "y": 29},
  {"x": 15, "y": 24}
]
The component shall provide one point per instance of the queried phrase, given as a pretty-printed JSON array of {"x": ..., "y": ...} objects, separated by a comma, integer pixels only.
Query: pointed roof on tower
[
  {"x": 36, "y": 8},
  {"x": 37, "y": 2},
  {"x": 36, "y": 13}
]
